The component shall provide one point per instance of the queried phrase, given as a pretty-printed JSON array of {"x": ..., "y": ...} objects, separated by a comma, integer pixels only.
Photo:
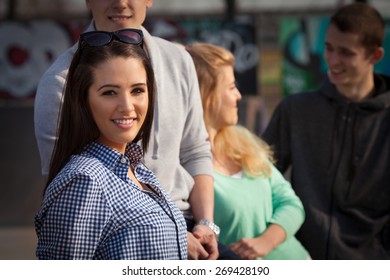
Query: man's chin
[
  {"x": 117, "y": 25},
  {"x": 336, "y": 79}
]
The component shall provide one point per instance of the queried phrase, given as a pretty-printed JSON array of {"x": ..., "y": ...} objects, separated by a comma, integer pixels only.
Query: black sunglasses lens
[
  {"x": 129, "y": 36},
  {"x": 96, "y": 39}
]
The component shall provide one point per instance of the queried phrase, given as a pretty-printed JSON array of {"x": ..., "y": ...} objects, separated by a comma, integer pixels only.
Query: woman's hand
[{"x": 261, "y": 246}]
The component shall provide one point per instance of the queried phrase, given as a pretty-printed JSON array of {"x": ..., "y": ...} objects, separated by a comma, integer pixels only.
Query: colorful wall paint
[
  {"x": 27, "y": 49},
  {"x": 238, "y": 35}
]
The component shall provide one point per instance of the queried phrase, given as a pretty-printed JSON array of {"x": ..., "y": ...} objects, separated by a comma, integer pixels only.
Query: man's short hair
[{"x": 363, "y": 20}]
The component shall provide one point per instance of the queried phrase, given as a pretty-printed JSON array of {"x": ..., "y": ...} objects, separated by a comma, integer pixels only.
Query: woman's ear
[
  {"x": 149, "y": 4},
  {"x": 378, "y": 55}
]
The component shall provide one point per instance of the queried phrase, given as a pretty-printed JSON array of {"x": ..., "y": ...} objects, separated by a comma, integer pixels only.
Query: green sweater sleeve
[{"x": 288, "y": 209}]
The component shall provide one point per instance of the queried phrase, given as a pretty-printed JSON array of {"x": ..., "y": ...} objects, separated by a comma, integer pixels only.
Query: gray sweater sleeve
[{"x": 47, "y": 106}]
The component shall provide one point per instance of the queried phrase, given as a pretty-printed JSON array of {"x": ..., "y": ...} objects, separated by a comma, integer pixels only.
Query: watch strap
[{"x": 211, "y": 225}]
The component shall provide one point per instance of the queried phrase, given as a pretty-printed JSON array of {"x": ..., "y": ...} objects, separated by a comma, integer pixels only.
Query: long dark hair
[{"x": 76, "y": 126}]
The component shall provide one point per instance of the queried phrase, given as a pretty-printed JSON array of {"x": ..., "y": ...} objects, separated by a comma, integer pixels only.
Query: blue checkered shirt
[{"x": 92, "y": 210}]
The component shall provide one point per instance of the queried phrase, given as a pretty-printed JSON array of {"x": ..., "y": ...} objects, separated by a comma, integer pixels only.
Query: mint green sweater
[{"x": 246, "y": 206}]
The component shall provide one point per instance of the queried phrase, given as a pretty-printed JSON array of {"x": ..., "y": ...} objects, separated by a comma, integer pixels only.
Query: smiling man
[{"x": 336, "y": 140}]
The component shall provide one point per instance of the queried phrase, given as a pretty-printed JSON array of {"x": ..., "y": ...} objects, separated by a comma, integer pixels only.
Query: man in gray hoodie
[{"x": 179, "y": 152}]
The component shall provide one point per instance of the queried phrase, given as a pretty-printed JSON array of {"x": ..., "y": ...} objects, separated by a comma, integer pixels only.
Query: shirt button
[{"x": 123, "y": 160}]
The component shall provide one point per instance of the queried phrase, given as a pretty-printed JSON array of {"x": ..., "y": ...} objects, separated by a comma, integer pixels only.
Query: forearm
[
  {"x": 272, "y": 237},
  {"x": 202, "y": 205},
  {"x": 202, "y": 198}
]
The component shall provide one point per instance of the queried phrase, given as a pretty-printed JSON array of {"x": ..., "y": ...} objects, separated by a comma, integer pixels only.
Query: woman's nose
[
  {"x": 126, "y": 103},
  {"x": 239, "y": 96}
]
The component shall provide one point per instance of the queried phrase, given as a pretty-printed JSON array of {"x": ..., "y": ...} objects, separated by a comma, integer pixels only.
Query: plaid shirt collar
[
  {"x": 111, "y": 158},
  {"x": 119, "y": 163}
]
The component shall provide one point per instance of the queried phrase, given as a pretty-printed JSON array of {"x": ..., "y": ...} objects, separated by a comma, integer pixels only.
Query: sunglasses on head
[{"x": 101, "y": 38}]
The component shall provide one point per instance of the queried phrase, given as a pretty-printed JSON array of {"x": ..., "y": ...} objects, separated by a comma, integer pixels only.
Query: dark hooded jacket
[{"x": 339, "y": 153}]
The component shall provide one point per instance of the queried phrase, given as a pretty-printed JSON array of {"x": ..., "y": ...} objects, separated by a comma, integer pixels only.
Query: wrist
[
  {"x": 210, "y": 225},
  {"x": 265, "y": 244}
]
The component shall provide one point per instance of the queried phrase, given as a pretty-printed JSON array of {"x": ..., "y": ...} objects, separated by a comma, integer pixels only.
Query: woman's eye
[
  {"x": 137, "y": 91},
  {"x": 109, "y": 93},
  {"x": 234, "y": 86}
]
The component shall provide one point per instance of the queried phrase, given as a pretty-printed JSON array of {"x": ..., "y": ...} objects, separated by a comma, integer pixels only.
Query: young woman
[
  {"x": 255, "y": 207},
  {"x": 101, "y": 202}
]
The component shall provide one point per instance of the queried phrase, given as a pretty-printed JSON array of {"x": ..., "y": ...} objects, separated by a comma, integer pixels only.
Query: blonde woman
[{"x": 255, "y": 207}]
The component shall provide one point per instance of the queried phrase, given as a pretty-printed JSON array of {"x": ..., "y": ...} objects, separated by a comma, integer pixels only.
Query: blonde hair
[
  {"x": 236, "y": 142},
  {"x": 245, "y": 149},
  {"x": 208, "y": 61}
]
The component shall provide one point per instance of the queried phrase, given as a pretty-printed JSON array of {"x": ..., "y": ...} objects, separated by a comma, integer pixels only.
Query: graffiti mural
[
  {"x": 302, "y": 44},
  {"x": 27, "y": 49},
  {"x": 238, "y": 35}
]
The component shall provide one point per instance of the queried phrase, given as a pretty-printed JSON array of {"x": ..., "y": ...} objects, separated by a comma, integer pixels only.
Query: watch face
[{"x": 211, "y": 225}]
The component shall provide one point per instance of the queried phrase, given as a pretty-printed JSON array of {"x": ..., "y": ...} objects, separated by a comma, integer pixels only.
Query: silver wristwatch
[{"x": 211, "y": 225}]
